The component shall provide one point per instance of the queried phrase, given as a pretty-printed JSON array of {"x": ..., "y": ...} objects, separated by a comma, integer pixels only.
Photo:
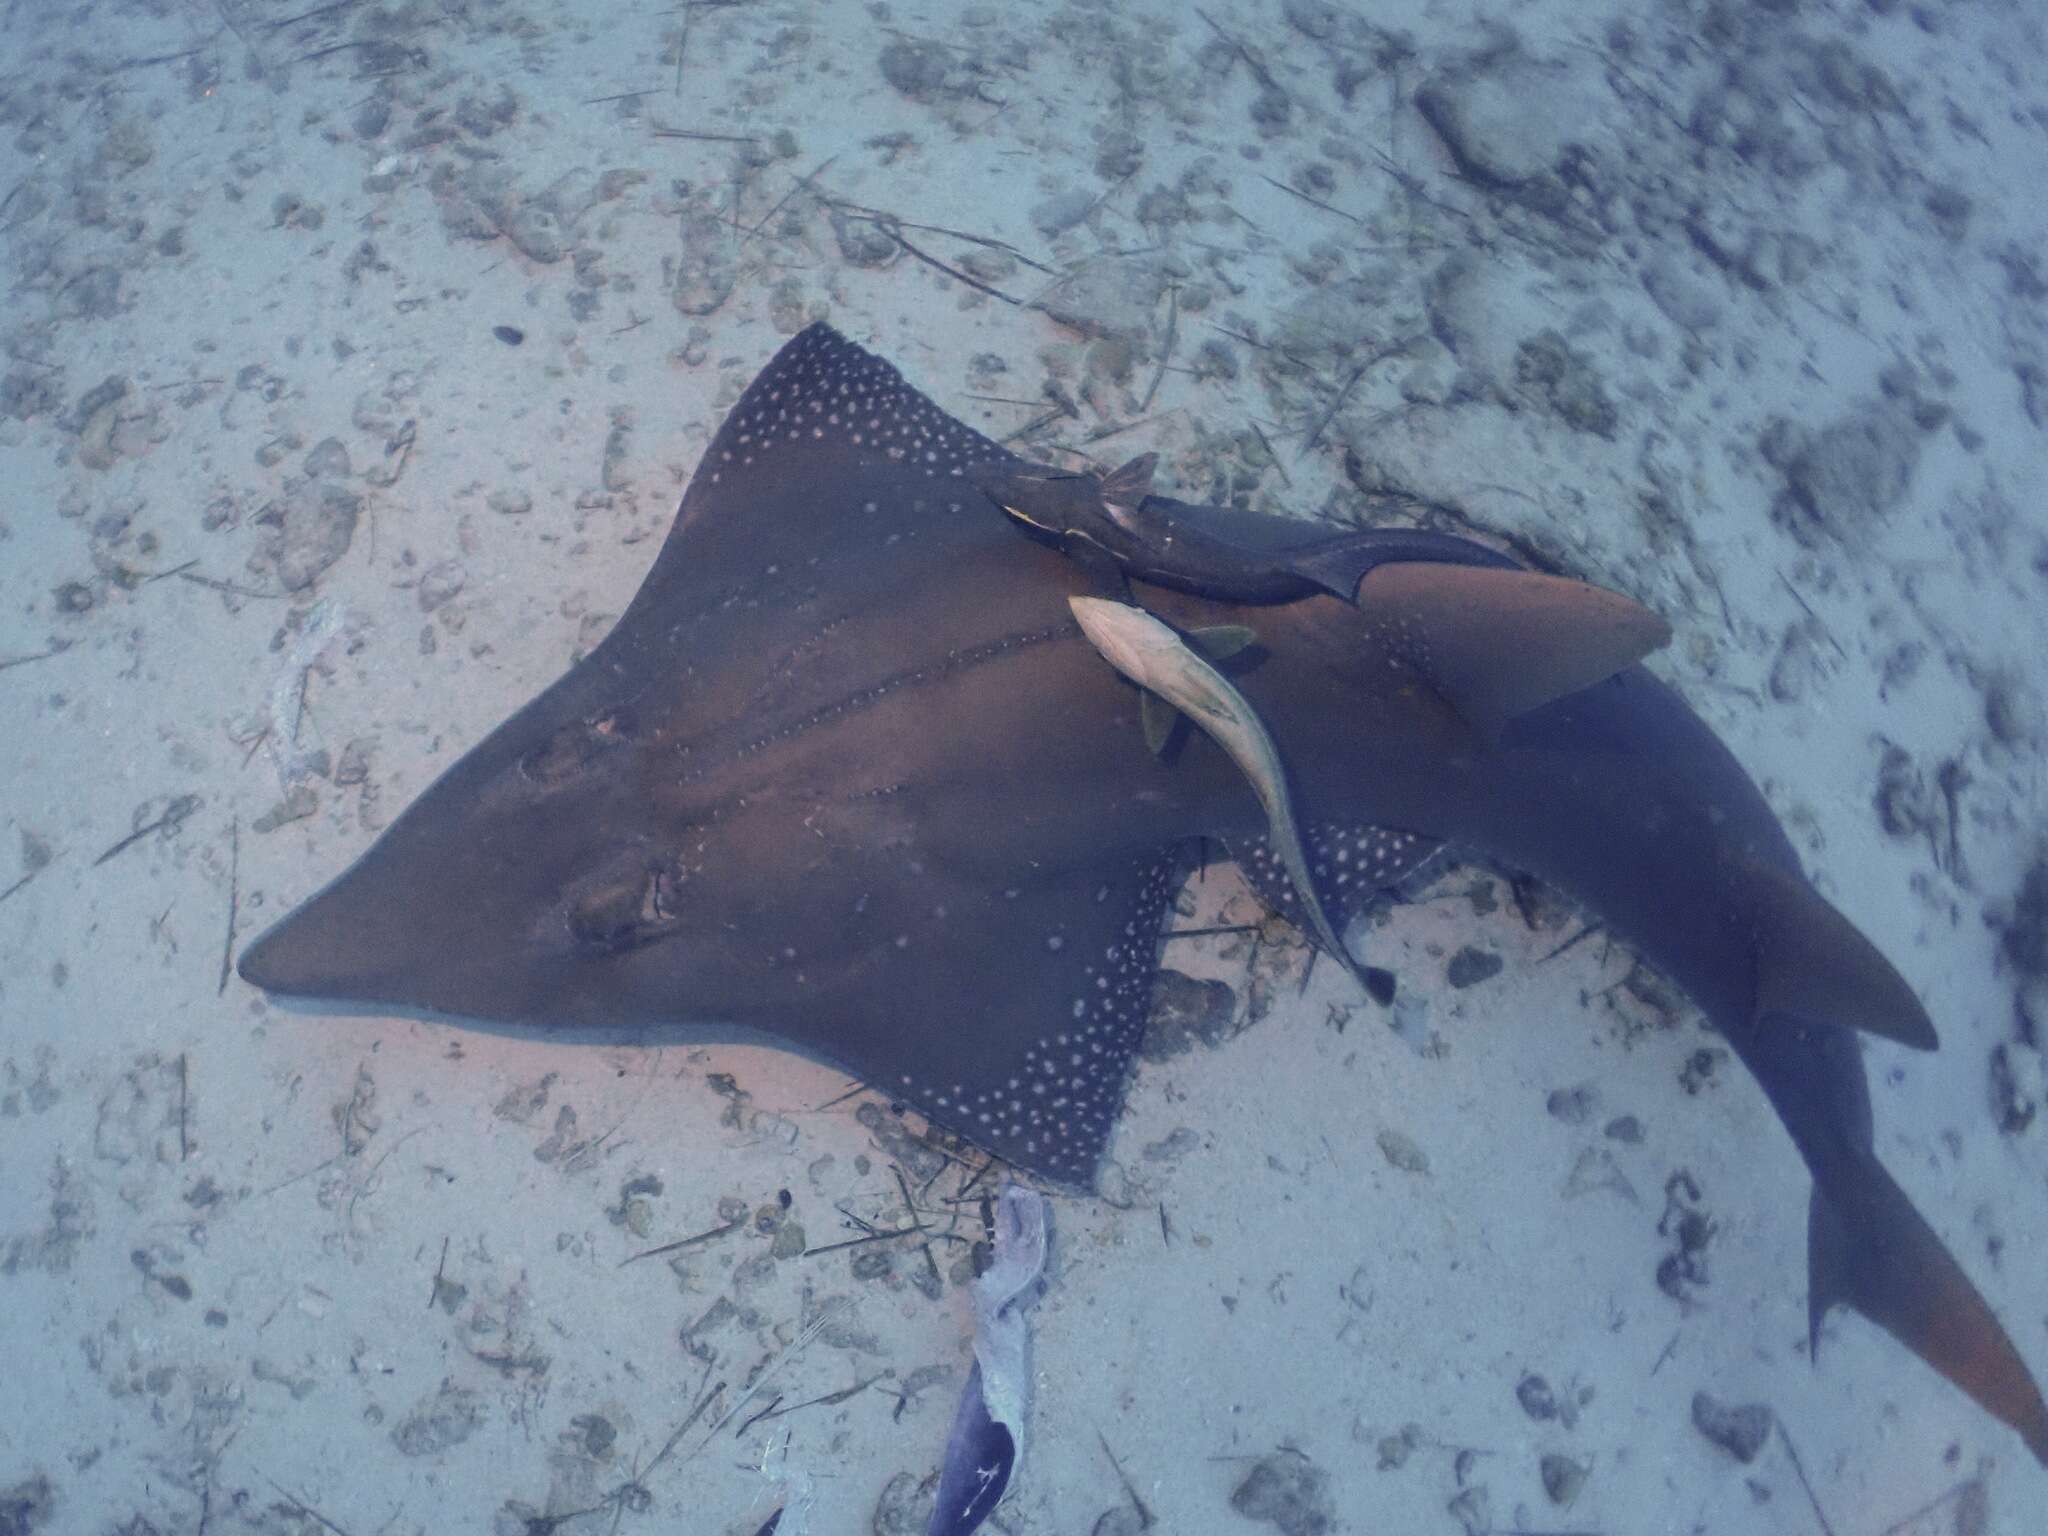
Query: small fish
[
  {"x": 1151, "y": 655},
  {"x": 1227, "y": 553}
]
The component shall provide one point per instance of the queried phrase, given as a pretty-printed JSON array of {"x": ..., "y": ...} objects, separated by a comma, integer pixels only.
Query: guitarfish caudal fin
[{"x": 1867, "y": 1248}]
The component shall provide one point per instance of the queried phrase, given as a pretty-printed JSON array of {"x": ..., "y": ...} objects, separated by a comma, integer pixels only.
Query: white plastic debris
[{"x": 986, "y": 1447}]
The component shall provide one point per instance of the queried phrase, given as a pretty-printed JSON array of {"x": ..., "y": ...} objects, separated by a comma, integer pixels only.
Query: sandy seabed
[{"x": 355, "y": 356}]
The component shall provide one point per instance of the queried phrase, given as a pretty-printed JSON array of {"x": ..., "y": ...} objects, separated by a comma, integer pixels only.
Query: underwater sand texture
[{"x": 353, "y": 366}]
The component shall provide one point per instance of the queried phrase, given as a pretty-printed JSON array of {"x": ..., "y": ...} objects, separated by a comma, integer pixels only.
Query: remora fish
[
  {"x": 846, "y": 762},
  {"x": 1212, "y": 551},
  {"x": 1155, "y": 658}
]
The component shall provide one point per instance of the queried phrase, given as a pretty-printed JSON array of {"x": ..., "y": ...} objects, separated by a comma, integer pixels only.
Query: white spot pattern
[
  {"x": 1350, "y": 864},
  {"x": 822, "y": 387},
  {"x": 1052, "y": 1111}
]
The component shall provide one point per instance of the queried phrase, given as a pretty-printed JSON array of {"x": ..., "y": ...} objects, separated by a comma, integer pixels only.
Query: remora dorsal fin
[
  {"x": 1496, "y": 643},
  {"x": 1813, "y": 964},
  {"x": 1128, "y": 484}
]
